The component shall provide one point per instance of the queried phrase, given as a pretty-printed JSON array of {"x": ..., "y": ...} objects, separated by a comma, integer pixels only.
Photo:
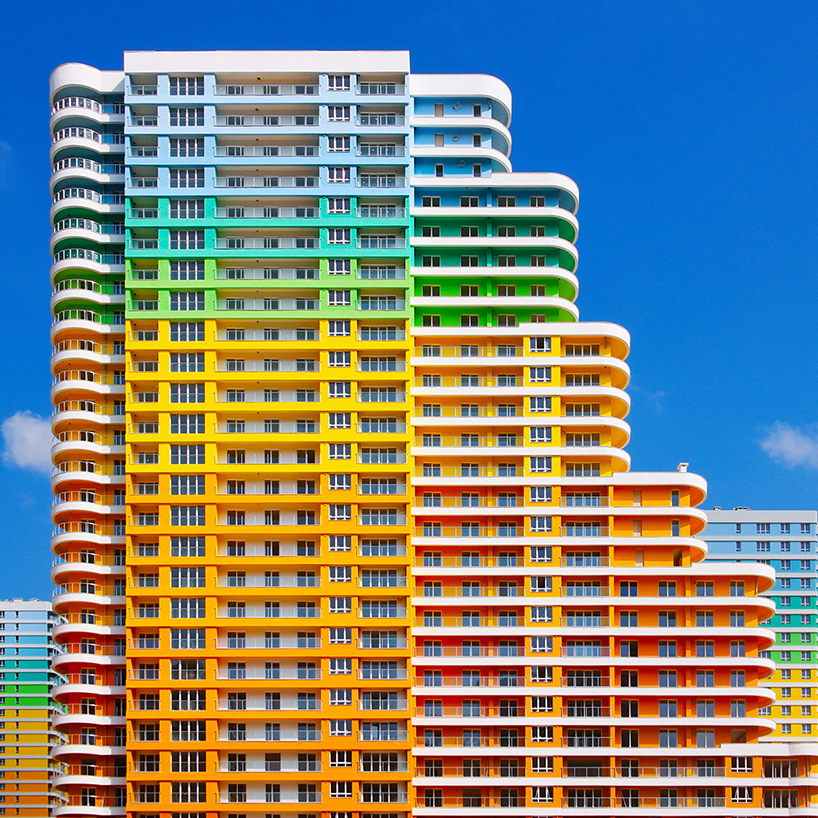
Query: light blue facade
[{"x": 786, "y": 541}]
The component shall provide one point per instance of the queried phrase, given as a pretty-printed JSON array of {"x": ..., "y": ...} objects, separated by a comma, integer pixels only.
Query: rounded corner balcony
[
  {"x": 78, "y": 199},
  {"x": 83, "y": 169},
  {"x": 82, "y": 138},
  {"x": 83, "y": 105},
  {"x": 76, "y": 75},
  {"x": 86, "y": 290},
  {"x": 440, "y": 86}
]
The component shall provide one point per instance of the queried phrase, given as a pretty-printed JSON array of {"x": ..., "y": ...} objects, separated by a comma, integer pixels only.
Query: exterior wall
[
  {"x": 383, "y": 552},
  {"x": 88, "y": 394},
  {"x": 27, "y": 738},
  {"x": 786, "y": 541}
]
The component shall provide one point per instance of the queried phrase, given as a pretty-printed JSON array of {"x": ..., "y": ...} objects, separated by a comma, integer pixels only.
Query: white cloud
[
  {"x": 27, "y": 438},
  {"x": 791, "y": 445}
]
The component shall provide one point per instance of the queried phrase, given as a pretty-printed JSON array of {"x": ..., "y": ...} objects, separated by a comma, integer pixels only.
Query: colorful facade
[
  {"x": 785, "y": 540},
  {"x": 27, "y": 736},
  {"x": 346, "y": 525}
]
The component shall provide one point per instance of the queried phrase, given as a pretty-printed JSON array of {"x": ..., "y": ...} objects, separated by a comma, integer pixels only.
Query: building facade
[
  {"x": 27, "y": 736},
  {"x": 345, "y": 520},
  {"x": 786, "y": 541}
]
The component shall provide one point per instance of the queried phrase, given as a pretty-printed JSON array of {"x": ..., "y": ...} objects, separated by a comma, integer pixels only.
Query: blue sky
[{"x": 689, "y": 126}]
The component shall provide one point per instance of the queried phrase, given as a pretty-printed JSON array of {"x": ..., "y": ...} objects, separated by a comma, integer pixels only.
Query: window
[
  {"x": 338, "y": 329},
  {"x": 186, "y": 147},
  {"x": 338, "y": 236},
  {"x": 338, "y": 82},
  {"x": 187, "y": 209},
  {"x": 338, "y": 298},
  {"x": 187, "y": 424},
  {"x": 340, "y": 420},
  {"x": 339, "y": 175},
  {"x": 338, "y": 113},
  {"x": 187, "y": 178},
  {"x": 186, "y": 86},
  {"x": 187, "y": 515},
  {"x": 187, "y": 117},
  {"x": 187, "y": 331},
  {"x": 340, "y": 482},
  {"x": 181, "y": 301},
  {"x": 338, "y": 206}
]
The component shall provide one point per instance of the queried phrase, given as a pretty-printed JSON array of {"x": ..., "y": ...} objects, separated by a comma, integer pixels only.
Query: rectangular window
[
  {"x": 181, "y": 301},
  {"x": 187, "y": 177},
  {"x": 187, "y": 209},
  {"x": 187, "y": 117}
]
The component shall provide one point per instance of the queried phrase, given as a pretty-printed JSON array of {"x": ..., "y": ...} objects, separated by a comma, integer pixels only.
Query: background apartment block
[
  {"x": 345, "y": 519},
  {"x": 785, "y": 540},
  {"x": 27, "y": 738}
]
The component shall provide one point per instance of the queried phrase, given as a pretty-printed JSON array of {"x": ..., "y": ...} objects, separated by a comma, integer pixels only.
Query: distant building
[
  {"x": 785, "y": 540},
  {"x": 26, "y": 736}
]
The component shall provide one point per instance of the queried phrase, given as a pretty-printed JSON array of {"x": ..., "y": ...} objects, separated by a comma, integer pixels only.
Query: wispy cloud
[
  {"x": 792, "y": 446},
  {"x": 655, "y": 399},
  {"x": 27, "y": 441}
]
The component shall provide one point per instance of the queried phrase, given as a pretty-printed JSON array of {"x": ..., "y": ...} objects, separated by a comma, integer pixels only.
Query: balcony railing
[
  {"x": 75, "y": 132},
  {"x": 267, "y": 243},
  {"x": 267, "y": 212},
  {"x": 282, "y": 121},
  {"x": 380, "y": 212},
  {"x": 267, "y": 181},
  {"x": 467, "y": 531},
  {"x": 269, "y": 334},
  {"x": 380, "y": 181},
  {"x": 381, "y": 150},
  {"x": 267, "y": 150},
  {"x": 269, "y": 643},
  {"x": 380, "y": 120},
  {"x": 264, "y": 90},
  {"x": 267, "y": 304},
  {"x": 380, "y": 89},
  {"x": 267, "y": 273},
  {"x": 88, "y": 104}
]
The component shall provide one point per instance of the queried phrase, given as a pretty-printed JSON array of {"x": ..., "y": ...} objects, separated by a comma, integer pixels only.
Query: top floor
[
  {"x": 250, "y": 76},
  {"x": 746, "y": 523},
  {"x": 26, "y": 610}
]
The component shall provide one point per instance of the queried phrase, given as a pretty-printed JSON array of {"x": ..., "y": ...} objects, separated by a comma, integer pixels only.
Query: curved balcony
[
  {"x": 468, "y": 153},
  {"x": 85, "y": 412},
  {"x": 86, "y": 593},
  {"x": 73, "y": 198},
  {"x": 69, "y": 383},
  {"x": 77, "y": 229},
  {"x": 80, "y": 347},
  {"x": 98, "y": 655},
  {"x": 85, "y": 107},
  {"x": 470, "y": 124},
  {"x": 85, "y": 471},
  {"x": 74, "y": 321},
  {"x": 526, "y": 212},
  {"x": 89, "y": 531},
  {"x": 88, "y": 565},
  {"x": 83, "y": 683},
  {"x": 108, "y": 174},
  {"x": 89, "y": 291},
  {"x": 85, "y": 138},
  {"x": 85, "y": 775}
]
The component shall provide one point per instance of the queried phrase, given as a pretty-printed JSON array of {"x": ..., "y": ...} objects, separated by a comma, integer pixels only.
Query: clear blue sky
[{"x": 689, "y": 126}]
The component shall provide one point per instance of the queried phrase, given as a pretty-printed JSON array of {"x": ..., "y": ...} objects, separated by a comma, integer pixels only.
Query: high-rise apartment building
[
  {"x": 787, "y": 541},
  {"x": 27, "y": 737},
  {"x": 346, "y": 521}
]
